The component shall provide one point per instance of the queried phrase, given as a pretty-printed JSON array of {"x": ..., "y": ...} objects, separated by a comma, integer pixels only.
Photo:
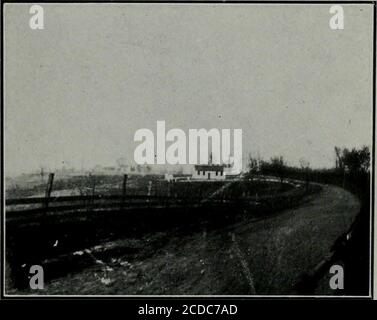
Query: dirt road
[{"x": 280, "y": 249}]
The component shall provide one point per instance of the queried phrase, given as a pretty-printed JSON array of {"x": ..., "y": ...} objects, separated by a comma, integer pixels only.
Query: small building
[{"x": 209, "y": 172}]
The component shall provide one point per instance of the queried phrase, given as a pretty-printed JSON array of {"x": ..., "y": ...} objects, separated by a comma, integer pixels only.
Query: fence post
[
  {"x": 169, "y": 192},
  {"x": 149, "y": 190},
  {"x": 49, "y": 188},
  {"x": 169, "y": 188},
  {"x": 124, "y": 190},
  {"x": 186, "y": 194},
  {"x": 93, "y": 188}
]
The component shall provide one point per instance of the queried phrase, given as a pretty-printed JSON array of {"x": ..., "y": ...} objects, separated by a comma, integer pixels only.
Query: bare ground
[{"x": 252, "y": 257}]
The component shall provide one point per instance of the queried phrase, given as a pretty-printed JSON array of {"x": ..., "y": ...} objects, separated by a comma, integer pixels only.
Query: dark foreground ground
[{"x": 266, "y": 256}]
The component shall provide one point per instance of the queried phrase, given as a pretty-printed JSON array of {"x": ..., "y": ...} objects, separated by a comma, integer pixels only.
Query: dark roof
[{"x": 209, "y": 167}]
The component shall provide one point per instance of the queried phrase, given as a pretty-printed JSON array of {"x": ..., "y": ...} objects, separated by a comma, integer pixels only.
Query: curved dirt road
[
  {"x": 280, "y": 249},
  {"x": 258, "y": 257}
]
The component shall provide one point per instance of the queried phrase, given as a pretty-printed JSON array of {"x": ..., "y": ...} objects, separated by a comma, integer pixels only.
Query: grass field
[{"x": 93, "y": 245}]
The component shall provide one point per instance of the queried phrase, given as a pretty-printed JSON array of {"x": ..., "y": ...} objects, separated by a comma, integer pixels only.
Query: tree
[
  {"x": 278, "y": 167},
  {"x": 305, "y": 167},
  {"x": 364, "y": 155},
  {"x": 356, "y": 161},
  {"x": 338, "y": 158},
  {"x": 253, "y": 166}
]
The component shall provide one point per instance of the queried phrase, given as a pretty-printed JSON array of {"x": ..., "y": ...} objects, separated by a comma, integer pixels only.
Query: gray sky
[{"x": 79, "y": 89}]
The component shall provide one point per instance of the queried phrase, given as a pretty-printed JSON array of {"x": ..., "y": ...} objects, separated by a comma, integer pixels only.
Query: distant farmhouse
[
  {"x": 209, "y": 172},
  {"x": 202, "y": 172}
]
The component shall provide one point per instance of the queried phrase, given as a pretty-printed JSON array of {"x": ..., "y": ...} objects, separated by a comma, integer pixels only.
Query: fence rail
[
  {"x": 71, "y": 203},
  {"x": 94, "y": 201},
  {"x": 36, "y": 200}
]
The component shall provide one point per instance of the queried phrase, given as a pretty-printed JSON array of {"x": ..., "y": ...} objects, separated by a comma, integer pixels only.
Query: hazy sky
[{"x": 79, "y": 89}]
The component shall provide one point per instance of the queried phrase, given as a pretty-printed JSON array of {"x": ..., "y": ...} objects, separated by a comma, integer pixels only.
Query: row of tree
[{"x": 351, "y": 162}]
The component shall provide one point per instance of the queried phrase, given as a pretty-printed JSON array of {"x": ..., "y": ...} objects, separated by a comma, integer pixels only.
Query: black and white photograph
[{"x": 188, "y": 149}]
